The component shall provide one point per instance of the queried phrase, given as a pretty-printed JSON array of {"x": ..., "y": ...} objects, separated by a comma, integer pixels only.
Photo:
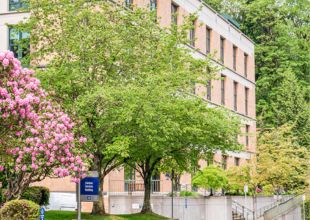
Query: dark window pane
[
  {"x": 222, "y": 49},
  {"x": 174, "y": 13},
  {"x": 237, "y": 161},
  {"x": 247, "y": 129},
  {"x": 224, "y": 162},
  {"x": 223, "y": 90},
  {"x": 153, "y": 4},
  {"x": 192, "y": 35},
  {"x": 16, "y": 4},
  {"x": 235, "y": 58},
  {"x": 209, "y": 89},
  {"x": 245, "y": 65},
  {"x": 246, "y": 100},
  {"x": 19, "y": 43},
  {"x": 208, "y": 41},
  {"x": 128, "y": 3},
  {"x": 235, "y": 95}
]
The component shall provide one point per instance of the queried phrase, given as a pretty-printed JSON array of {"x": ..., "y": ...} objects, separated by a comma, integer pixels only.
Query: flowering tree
[{"x": 37, "y": 138}]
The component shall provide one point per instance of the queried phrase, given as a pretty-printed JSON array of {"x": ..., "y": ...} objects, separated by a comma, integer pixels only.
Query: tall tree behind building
[{"x": 281, "y": 31}]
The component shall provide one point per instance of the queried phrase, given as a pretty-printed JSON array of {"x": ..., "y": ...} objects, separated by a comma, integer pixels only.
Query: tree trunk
[
  {"x": 147, "y": 195},
  {"x": 98, "y": 207}
]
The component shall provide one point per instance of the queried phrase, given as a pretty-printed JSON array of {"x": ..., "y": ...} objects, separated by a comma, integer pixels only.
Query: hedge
[{"x": 37, "y": 194}]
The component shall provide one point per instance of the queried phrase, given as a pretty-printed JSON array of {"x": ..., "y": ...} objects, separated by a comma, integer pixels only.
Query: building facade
[{"x": 212, "y": 34}]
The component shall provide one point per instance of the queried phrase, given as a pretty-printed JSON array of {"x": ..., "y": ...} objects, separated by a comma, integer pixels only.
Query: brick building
[{"x": 214, "y": 34}]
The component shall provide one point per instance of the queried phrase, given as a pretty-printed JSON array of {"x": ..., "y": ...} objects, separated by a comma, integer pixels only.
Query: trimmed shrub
[
  {"x": 37, "y": 194},
  {"x": 20, "y": 210}
]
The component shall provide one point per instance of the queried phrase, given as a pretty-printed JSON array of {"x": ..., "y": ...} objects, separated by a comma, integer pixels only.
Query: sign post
[
  {"x": 245, "y": 189},
  {"x": 87, "y": 190},
  {"x": 90, "y": 188},
  {"x": 42, "y": 213},
  {"x": 78, "y": 193}
]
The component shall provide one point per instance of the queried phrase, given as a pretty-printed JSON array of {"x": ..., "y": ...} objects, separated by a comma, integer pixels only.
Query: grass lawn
[{"x": 67, "y": 215}]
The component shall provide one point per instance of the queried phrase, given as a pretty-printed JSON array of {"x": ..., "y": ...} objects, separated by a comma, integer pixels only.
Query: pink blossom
[
  {"x": 24, "y": 167},
  {"x": 5, "y": 62},
  {"x": 2, "y": 56},
  {"x": 82, "y": 140},
  {"x": 45, "y": 133}
]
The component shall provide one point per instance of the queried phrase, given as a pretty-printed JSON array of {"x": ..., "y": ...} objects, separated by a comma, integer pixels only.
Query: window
[
  {"x": 153, "y": 5},
  {"x": 129, "y": 173},
  {"x": 222, "y": 49},
  {"x": 209, "y": 90},
  {"x": 208, "y": 41},
  {"x": 174, "y": 13},
  {"x": 245, "y": 65},
  {"x": 130, "y": 178},
  {"x": 237, "y": 161},
  {"x": 247, "y": 129},
  {"x": 223, "y": 90},
  {"x": 192, "y": 34},
  {"x": 224, "y": 162},
  {"x": 128, "y": 3},
  {"x": 16, "y": 4},
  {"x": 155, "y": 183},
  {"x": 234, "y": 57},
  {"x": 19, "y": 43},
  {"x": 235, "y": 96},
  {"x": 246, "y": 100}
]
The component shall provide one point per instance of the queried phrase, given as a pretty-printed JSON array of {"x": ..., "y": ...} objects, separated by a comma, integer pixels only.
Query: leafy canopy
[{"x": 210, "y": 177}]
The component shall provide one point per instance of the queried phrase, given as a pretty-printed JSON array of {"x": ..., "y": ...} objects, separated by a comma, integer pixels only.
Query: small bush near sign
[
  {"x": 37, "y": 194},
  {"x": 188, "y": 193},
  {"x": 20, "y": 210}
]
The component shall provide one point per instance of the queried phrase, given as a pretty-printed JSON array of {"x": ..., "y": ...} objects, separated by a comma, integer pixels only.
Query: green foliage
[
  {"x": 282, "y": 63},
  {"x": 129, "y": 83},
  {"x": 210, "y": 177},
  {"x": 19, "y": 210},
  {"x": 188, "y": 193},
  {"x": 240, "y": 176},
  {"x": 282, "y": 164},
  {"x": 307, "y": 209},
  {"x": 37, "y": 194},
  {"x": 281, "y": 33}
]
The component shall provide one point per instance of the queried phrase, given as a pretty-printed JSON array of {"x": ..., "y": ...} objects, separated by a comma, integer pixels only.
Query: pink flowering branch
[{"x": 36, "y": 136}]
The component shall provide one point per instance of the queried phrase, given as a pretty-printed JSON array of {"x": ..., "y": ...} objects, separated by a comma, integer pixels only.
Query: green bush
[
  {"x": 188, "y": 193},
  {"x": 20, "y": 210},
  {"x": 37, "y": 194}
]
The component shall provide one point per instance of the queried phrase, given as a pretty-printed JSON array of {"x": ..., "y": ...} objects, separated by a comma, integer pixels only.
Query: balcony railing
[{"x": 132, "y": 187}]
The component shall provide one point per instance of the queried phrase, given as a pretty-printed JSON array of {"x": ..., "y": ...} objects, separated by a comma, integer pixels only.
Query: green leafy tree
[
  {"x": 160, "y": 122},
  {"x": 282, "y": 62},
  {"x": 281, "y": 35},
  {"x": 210, "y": 177},
  {"x": 129, "y": 84},
  {"x": 238, "y": 177},
  {"x": 282, "y": 164}
]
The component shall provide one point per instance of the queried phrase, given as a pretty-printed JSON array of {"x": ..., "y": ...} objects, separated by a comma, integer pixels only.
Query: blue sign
[
  {"x": 90, "y": 186},
  {"x": 42, "y": 213}
]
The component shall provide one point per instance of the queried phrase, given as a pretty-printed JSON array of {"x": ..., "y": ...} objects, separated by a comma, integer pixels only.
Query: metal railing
[
  {"x": 242, "y": 211},
  {"x": 125, "y": 187},
  {"x": 283, "y": 208},
  {"x": 260, "y": 212}
]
